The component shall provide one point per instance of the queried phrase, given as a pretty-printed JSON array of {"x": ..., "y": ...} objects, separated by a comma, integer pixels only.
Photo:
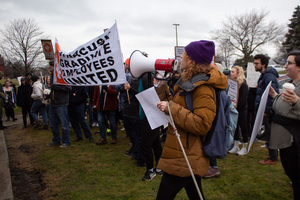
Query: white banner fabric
[{"x": 98, "y": 62}]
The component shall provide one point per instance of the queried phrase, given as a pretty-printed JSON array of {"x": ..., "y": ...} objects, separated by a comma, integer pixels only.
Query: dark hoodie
[{"x": 270, "y": 74}]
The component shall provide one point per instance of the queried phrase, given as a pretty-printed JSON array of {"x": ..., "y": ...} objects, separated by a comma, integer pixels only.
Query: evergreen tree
[{"x": 292, "y": 38}]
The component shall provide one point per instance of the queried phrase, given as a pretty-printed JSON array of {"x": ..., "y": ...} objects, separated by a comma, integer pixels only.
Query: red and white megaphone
[{"x": 139, "y": 64}]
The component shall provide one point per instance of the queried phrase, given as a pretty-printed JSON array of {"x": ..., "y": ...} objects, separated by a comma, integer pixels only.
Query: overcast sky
[{"x": 143, "y": 25}]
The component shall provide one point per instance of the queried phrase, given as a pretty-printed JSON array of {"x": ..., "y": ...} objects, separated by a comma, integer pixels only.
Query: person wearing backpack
[
  {"x": 237, "y": 73},
  {"x": 200, "y": 77}
]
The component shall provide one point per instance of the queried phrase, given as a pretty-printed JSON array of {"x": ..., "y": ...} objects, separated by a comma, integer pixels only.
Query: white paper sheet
[{"x": 149, "y": 99}]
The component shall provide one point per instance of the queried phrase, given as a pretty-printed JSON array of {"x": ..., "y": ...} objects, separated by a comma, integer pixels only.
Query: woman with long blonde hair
[{"x": 237, "y": 73}]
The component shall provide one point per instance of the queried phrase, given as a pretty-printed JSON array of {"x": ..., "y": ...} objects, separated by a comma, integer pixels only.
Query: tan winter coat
[
  {"x": 163, "y": 91},
  {"x": 191, "y": 125}
]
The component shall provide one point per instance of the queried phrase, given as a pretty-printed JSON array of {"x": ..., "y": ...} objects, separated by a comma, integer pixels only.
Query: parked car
[
  {"x": 282, "y": 80},
  {"x": 279, "y": 68}
]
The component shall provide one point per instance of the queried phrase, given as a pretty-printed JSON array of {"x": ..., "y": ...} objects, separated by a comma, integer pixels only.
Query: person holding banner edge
[
  {"x": 200, "y": 77},
  {"x": 58, "y": 111},
  {"x": 286, "y": 123}
]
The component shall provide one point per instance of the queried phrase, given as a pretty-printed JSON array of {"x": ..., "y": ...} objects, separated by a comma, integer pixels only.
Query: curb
[{"x": 6, "y": 192}]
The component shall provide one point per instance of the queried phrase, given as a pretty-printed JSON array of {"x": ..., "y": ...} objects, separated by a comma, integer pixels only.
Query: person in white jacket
[{"x": 38, "y": 106}]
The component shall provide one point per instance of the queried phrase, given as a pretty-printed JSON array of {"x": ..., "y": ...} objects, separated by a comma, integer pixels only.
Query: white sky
[{"x": 143, "y": 25}]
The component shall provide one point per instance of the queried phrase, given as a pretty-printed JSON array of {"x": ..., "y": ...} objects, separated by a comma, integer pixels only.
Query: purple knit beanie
[{"x": 201, "y": 52}]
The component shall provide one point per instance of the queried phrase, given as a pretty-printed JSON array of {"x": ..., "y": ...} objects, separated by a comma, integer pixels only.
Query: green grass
[{"x": 87, "y": 171}]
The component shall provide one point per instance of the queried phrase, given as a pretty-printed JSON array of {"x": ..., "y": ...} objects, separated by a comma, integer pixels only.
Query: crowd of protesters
[{"x": 106, "y": 105}]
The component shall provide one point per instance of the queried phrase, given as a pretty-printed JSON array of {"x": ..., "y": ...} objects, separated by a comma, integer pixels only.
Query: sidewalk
[{"x": 6, "y": 192}]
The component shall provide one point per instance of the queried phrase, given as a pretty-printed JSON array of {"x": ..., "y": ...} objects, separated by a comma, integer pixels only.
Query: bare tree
[
  {"x": 281, "y": 52},
  {"x": 246, "y": 32},
  {"x": 21, "y": 45},
  {"x": 225, "y": 52}
]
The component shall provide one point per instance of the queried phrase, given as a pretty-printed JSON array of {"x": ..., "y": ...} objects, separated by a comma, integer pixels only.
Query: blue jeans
[
  {"x": 76, "y": 114},
  {"x": 59, "y": 115},
  {"x": 39, "y": 107},
  {"x": 111, "y": 115},
  {"x": 93, "y": 113}
]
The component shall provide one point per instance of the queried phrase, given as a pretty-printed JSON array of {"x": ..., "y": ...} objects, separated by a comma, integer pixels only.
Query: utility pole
[{"x": 176, "y": 33}]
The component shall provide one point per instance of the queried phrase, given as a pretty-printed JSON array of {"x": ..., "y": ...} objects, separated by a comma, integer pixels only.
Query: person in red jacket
[{"x": 105, "y": 100}]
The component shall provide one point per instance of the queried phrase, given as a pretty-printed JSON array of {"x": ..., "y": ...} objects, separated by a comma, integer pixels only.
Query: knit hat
[{"x": 201, "y": 52}]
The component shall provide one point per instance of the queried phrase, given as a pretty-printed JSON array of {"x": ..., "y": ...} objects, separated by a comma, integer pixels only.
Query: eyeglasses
[{"x": 289, "y": 63}]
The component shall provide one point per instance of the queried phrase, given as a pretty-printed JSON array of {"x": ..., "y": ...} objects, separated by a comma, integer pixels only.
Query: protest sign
[
  {"x": 47, "y": 49},
  {"x": 252, "y": 76},
  {"x": 98, "y": 62},
  {"x": 149, "y": 99},
  {"x": 233, "y": 91},
  {"x": 19, "y": 79},
  {"x": 260, "y": 115}
]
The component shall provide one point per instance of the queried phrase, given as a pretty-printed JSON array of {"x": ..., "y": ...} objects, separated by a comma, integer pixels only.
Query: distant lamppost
[{"x": 176, "y": 33}]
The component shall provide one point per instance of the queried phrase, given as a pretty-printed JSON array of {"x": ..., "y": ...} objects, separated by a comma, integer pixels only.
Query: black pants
[
  {"x": 242, "y": 124},
  {"x": 132, "y": 125},
  {"x": 291, "y": 164},
  {"x": 273, "y": 153},
  {"x": 170, "y": 185},
  {"x": 9, "y": 111},
  {"x": 25, "y": 112},
  {"x": 150, "y": 143}
]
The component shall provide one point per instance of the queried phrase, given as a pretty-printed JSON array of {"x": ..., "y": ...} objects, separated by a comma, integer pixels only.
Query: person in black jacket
[
  {"x": 132, "y": 122},
  {"x": 58, "y": 112},
  {"x": 78, "y": 96},
  {"x": 24, "y": 101},
  {"x": 150, "y": 140},
  {"x": 267, "y": 74}
]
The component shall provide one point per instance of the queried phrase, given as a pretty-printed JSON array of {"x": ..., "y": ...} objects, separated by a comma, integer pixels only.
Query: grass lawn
[{"x": 87, "y": 171}]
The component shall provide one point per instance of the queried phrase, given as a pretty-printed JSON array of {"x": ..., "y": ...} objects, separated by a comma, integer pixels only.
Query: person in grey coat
[{"x": 286, "y": 123}]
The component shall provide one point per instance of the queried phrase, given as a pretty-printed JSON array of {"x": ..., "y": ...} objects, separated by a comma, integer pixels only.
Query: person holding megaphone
[{"x": 200, "y": 77}]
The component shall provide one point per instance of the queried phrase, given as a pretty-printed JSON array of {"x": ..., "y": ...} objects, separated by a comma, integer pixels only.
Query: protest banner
[{"x": 98, "y": 62}]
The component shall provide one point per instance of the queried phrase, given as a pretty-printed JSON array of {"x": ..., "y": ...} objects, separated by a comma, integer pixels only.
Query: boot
[
  {"x": 44, "y": 127},
  {"x": 236, "y": 148},
  {"x": 37, "y": 124},
  {"x": 243, "y": 151}
]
